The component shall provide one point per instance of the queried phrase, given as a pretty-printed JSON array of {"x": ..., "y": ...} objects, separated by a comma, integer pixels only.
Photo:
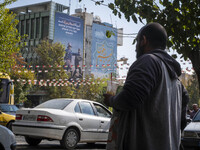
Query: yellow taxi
[{"x": 7, "y": 115}]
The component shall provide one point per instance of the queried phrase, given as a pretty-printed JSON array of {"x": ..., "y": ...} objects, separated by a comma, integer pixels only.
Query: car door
[
  {"x": 104, "y": 117},
  {"x": 87, "y": 120},
  {"x": 2, "y": 120}
]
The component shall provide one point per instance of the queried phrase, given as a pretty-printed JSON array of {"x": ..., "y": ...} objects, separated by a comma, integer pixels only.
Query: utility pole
[
  {"x": 69, "y": 6},
  {"x": 84, "y": 34}
]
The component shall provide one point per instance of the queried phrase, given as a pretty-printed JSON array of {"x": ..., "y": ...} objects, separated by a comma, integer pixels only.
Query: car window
[
  {"x": 77, "y": 108},
  {"x": 86, "y": 108},
  {"x": 8, "y": 108},
  {"x": 101, "y": 111},
  {"x": 197, "y": 117},
  {"x": 55, "y": 104}
]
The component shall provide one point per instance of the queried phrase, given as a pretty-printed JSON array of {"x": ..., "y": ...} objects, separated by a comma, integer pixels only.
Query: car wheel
[
  {"x": 1, "y": 147},
  {"x": 32, "y": 141},
  {"x": 9, "y": 125},
  {"x": 70, "y": 139}
]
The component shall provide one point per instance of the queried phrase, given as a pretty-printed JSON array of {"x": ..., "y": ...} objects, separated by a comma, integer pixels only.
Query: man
[
  {"x": 68, "y": 57},
  {"x": 193, "y": 112},
  {"x": 152, "y": 103}
]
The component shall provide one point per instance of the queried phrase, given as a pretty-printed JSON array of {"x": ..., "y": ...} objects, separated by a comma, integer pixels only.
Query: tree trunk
[{"x": 195, "y": 59}]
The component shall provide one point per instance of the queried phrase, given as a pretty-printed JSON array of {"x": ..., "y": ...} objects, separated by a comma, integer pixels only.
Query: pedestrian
[
  {"x": 194, "y": 111},
  {"x": 152, "y": 105}
]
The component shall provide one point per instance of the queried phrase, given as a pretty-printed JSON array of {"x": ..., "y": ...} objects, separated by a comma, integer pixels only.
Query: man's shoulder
[
  {"x": 149, "y": 59},
  {"x": 149, "y": 56},
  {"x": 147, "y": 62}
]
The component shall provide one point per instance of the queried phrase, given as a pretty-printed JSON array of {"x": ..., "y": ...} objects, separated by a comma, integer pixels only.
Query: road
[{"x": 55, "y": 145}]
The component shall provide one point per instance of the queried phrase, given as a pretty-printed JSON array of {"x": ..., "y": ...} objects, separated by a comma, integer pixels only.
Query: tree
[
  {"x": 92, "y": 89},
  {"x": 179, "y": 17},
  {"x": 22, "y": 85},
  {"x": 10, "y": 56},
  {"x": 192, "y": 88},
  {"x": 9, "y": 37},
  {"x": 6, "y": 2},
  {"x": 51, "y": 56}
]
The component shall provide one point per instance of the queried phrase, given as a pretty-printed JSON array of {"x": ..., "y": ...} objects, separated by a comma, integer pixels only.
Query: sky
[{"x": 106, "y": 15}]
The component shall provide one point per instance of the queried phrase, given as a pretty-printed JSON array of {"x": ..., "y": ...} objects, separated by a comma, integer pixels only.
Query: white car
[
  {"x": 68, "y": 120},
  {"x": 191, "y": 133},
  {"x": 7, "y": 139}
]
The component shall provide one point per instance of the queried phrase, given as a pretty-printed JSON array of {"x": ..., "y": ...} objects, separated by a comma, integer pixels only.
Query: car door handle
[
  {"x": 81, "y": 119},
  {"x": 102, "y": 121}
]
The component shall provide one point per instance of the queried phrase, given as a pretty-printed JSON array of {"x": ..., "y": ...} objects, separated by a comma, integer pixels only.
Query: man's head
[
  {"x": 151, "y": 36},
  {"x": 69, "y": 45},
  {"x": 195, "y": 107}
]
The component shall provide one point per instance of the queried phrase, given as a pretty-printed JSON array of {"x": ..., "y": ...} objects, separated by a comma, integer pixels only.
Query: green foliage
[
  {"x": 6, "y": 2},
  {"x": 52, "y": 54},
  {"x": 21, "y": 84},
  {"x": 9, "y": 38},
  {"x": 180, "y": 18},
  {"x": 9, "y": 55},
  {"x": 109, "y": 33},
  {"x": 193, "y": 91},
  {"x": 93, "y": 89}
]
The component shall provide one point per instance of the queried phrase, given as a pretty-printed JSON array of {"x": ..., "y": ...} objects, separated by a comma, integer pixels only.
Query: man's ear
[{"x": 143, "y": 41}]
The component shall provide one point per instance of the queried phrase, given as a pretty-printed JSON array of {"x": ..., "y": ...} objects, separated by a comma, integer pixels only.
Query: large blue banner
[
  {"x": 104, "y": 50},
  {"x": 69, "y": 32}
]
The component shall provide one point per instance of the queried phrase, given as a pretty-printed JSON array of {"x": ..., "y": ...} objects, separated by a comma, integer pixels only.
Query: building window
[
  {"x": 37, "y": 27},
  {"x": 27, "y": 26},
  {"x": 45, "y": 27},
  {"x": 32, "y": 28},
  {"x": 22, "y": 27}
]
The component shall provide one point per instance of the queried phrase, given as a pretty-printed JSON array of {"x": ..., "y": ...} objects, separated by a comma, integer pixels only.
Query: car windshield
[
  {"x": 8, "y": 108},
  {"x": 55, "y": 104},
  {"x": 197, "y": 117}
]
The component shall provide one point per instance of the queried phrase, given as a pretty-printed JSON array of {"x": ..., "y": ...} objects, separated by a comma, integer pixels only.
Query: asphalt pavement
[{"x": 55, "y": 145}]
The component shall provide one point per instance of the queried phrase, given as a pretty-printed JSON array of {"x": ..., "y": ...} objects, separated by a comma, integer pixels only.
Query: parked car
[
  {"x": 191, "y": 134},
  {"x": 7, "y": 139},
  {"x": 7, "y": 115},
  {"x": 68, "y": 120},
  {"x": 9, "y": 109}
]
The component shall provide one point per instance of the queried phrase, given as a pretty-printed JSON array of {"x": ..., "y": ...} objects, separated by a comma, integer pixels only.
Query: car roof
[{"x": 72, "y": 99}]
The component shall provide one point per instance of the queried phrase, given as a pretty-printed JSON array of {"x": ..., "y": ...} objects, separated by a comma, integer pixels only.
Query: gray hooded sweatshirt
[{"x": 151, "y": 105}]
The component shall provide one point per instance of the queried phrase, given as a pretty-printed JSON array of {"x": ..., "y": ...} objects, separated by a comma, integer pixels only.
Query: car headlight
[{"x": 189, "y": 134}]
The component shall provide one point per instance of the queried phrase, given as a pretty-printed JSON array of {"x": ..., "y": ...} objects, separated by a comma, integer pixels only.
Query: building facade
[
  {"x": 37, "y": 22},
  {"x": 41, "y": 20},
  {"x": 88, "y": 49}
]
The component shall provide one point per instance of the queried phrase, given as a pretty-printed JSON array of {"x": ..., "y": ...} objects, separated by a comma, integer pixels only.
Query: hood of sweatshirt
[{"x": 173, "y": 67}]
